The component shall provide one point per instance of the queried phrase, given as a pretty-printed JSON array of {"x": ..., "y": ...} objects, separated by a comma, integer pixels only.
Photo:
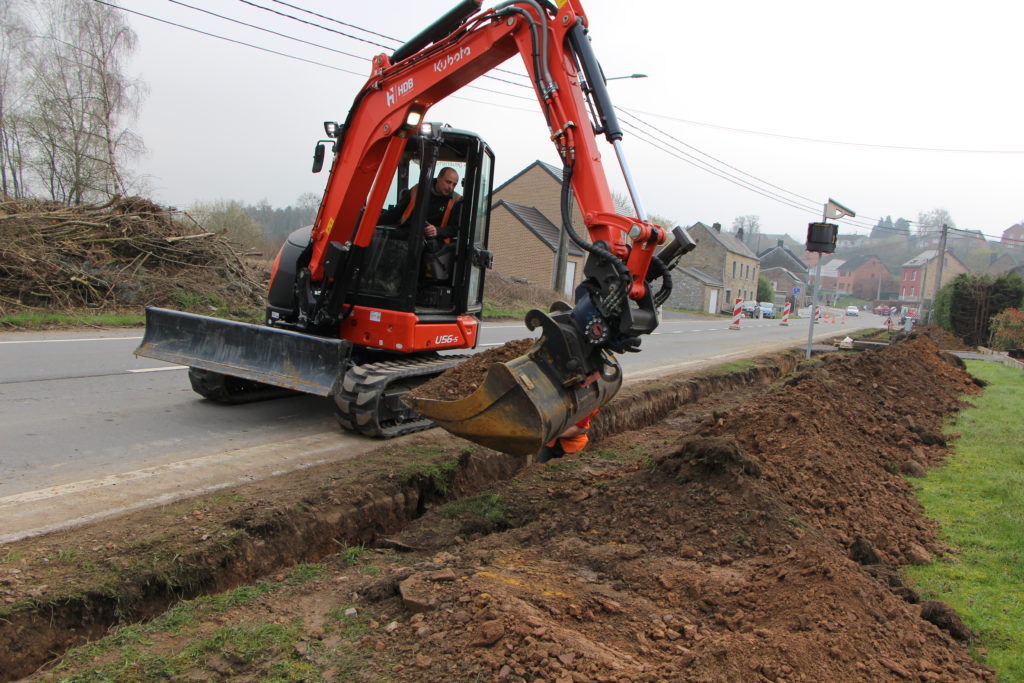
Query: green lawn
[{"x": 978, "y": 497}]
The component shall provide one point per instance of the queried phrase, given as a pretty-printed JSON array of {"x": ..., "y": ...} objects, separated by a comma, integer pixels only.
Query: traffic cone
[{"x": 844, "y": 319}]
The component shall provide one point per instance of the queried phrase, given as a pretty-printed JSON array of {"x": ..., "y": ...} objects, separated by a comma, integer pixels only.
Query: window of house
[{"x": 734, "y": 269}]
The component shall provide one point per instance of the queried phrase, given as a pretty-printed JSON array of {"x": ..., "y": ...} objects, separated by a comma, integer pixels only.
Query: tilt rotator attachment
[{"x": 525, "y": 403}]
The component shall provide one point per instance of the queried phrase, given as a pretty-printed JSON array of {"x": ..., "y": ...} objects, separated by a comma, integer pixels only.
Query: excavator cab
[
  {"x": 401, "y": 271},
  {"x": 404, "y": 270}
]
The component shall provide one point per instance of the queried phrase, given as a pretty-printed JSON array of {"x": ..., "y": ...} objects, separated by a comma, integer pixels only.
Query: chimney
[
  {"x": 781, "y": 243},
  {"x": 717, "y": 227},
  {"x": 739, "y": 234}
]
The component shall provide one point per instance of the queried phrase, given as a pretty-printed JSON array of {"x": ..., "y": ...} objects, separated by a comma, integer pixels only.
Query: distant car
[
  {"x": 882, "y": 310},
  {"x": 767, "y": 309},
  {"x": 852, "y": 311},
  {"x": 749, "y": 308}
]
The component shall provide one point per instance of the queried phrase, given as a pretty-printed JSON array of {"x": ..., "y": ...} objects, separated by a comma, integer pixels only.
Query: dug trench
[{"x": 745, "y": 525}]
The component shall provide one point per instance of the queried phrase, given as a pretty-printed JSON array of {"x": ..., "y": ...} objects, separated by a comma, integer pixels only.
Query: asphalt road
[{"x": 83, "y": 417}]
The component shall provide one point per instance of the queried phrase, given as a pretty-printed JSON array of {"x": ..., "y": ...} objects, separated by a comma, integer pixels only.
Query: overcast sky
[{"x": 806, "y": 100}]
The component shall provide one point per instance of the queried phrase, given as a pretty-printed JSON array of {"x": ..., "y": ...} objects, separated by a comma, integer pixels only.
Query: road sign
[{"x": 796, "y": 290}]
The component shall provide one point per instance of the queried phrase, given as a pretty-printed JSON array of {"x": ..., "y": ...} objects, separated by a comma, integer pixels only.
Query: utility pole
[{"x": 938, "y": 272}]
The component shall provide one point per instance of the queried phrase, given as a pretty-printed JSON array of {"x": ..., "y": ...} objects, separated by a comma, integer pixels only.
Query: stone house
[
  {"x": 917, "y": 277},
  {"x": 695, "y": 290},
  {"x": 526, "y": 220},
  {"x": 782, "y": 256},
  {"x": 1013, "y": 237},
  {"x": 786, "y": 283},
  {"x": 866, "y": 277},
  {"x": 759, "y": 242},
  {"x": 1003, "y": 263},
  {"x": 725, "y": 259}
]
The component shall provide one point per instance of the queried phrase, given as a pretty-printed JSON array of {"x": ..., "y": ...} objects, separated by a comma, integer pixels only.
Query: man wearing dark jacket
[{"x": 442, "y": 206}]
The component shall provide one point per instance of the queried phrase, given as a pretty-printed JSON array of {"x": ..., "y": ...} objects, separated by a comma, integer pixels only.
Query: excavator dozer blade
[
  {"x": 273, "y": 356},
  {"x": 519, "y": 407}
]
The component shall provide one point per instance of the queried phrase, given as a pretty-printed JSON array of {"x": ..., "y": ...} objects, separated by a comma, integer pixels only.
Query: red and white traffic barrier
[
  {"x": 737, "y": 313},
  {"x": 817, "y": 315},
  {"x": 785, "y": 315}
]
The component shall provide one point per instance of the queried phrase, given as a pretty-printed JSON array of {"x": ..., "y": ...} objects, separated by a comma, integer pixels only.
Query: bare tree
[
  {"x": 71, "y": 118},
  {"x": 933, "y": 220},
  {"x": 14, "y": 36},
  {"x": 229, "y": 217},
  {"x": 750, "y": 225}
]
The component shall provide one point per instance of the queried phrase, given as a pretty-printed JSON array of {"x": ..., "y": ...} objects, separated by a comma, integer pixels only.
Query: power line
[
  {"x": 360, "y": 28},
  {"x": 835, "y": 142},
  {"x": 267, "y": 30},
  {"x": 340, "y": 22},
  {"x": 760, "y": 180},
  {"x": 230, "y": 40},
  {"x": 645, "y": 137},
  {"x": 810, "y": 207},
  {"x": 310, "y": 23}
]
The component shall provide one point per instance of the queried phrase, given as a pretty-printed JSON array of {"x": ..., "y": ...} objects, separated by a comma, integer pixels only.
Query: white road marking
[
  {"x": 56, "y": 341},
  {"x": 169, "y": 367}
]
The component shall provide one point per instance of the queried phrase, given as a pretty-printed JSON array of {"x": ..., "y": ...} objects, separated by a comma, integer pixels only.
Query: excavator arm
[{"x": 571, "y": 371}]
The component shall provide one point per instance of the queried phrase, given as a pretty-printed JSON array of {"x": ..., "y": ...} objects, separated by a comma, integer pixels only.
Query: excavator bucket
[
  {"x": 268, "y": 355},
  {"x": 521, "y": 405}
]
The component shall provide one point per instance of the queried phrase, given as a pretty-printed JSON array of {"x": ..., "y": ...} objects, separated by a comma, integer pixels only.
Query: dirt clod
[
  {"x": 467, "y": 376},
  {"x": 946, "y": 618}
]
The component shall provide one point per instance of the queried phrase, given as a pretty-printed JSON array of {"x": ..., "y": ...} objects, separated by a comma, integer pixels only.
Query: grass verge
[
  {"x": 978, "y": 497},
  {"x": 41, "y": 320}
]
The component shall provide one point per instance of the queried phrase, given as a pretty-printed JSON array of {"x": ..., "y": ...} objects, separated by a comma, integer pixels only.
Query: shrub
[{"x": 1008, "y": 330}]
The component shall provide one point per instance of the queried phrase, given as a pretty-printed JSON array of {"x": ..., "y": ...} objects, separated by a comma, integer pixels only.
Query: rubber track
[
  {"x": 363, "y": 386},
  {"x": 232, "y": 390}
]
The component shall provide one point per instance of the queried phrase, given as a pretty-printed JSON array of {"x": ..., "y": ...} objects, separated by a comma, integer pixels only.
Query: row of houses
[{"x": 524, "y": 233}]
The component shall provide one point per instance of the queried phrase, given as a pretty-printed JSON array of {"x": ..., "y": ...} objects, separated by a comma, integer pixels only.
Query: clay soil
[
  {"x": 756, "y": 535},
  {"x": 464, "y": 378}
]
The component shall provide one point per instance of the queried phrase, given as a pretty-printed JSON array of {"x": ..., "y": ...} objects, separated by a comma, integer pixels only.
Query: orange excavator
[{"x": 355, "y": 314}]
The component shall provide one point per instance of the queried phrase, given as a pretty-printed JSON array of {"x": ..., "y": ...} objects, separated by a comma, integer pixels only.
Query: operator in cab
[
  {"x": 442, "y": 207},
  {"x": 439, "y": 228}
]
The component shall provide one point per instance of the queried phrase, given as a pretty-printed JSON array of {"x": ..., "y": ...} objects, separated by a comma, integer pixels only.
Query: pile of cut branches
[{"x": 124, "y": 254}]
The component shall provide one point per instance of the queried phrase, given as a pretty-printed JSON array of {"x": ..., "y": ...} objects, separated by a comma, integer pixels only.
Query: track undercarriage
[{"x": 368, "y": 401}]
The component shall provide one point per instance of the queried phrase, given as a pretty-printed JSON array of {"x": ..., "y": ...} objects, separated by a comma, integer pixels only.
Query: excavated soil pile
[
  {"x": 761, "y": 544},
  {"x": 945, "y": 340},
  {"x": 129, "y": 252},
  {"x": 464, "y": 378},
  {"x": 756, "y": 535}
]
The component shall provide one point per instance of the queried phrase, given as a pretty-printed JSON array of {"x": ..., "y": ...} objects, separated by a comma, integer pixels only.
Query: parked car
[
  {"x": 749, "y": 308},
  {"x": 767, "y": 309},
  {"x": 882, "y": 310},
  {"x": 852, "y": 311}
]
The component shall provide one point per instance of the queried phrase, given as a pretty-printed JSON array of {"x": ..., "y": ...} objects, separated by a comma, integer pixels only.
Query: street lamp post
[{"x": 834, "y": 210}]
